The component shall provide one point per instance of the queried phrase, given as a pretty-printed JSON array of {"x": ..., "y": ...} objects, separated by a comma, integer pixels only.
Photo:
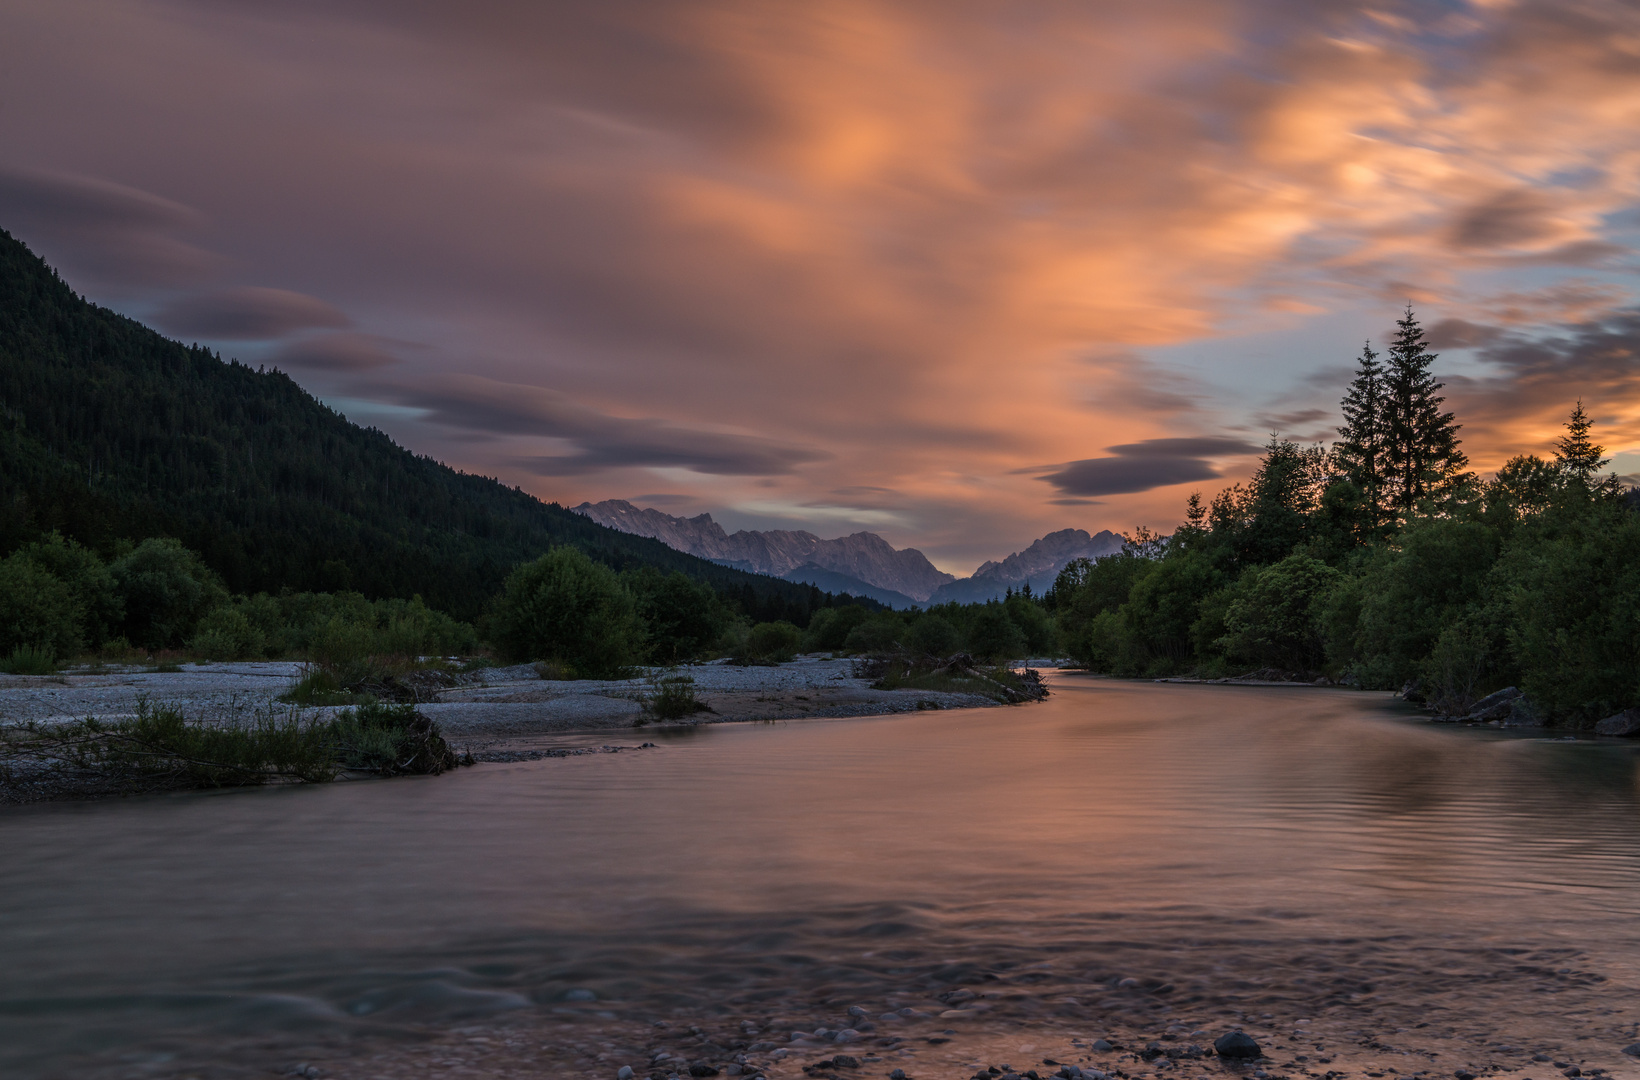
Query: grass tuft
[
  {"x": 673, "y": 698},
  {"x": 29, "y": 660}
]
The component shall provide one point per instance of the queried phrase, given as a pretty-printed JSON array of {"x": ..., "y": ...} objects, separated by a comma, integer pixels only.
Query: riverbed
[{"x": 1151, "y": 865}]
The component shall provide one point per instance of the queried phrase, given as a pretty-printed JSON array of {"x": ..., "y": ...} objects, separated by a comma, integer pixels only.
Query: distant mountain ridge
[
  {"x": 863, "y": 564},
  {"x": 864, "y": 557},
  {"x": 1038, "y": 566}
]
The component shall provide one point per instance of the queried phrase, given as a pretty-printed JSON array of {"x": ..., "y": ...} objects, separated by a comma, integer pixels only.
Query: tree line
[{"x": 1384, "y": 562}]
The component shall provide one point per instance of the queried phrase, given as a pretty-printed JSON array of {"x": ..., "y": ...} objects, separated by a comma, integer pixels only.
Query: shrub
[
  {"x": 37, "y": 611},
  {"x": 877, "y": 635},
  {"x": 226, "y": 633},
  {"x": 97, "y": 601},
  {"x": 931, "y": 635},
  {"x": 992, "y": 635},
  {"x": 1274, "y": 619},
  {"x": 565, "y": 607},
  {"x": 830, "y": 627},
  {"x": 772, "y": 643},
  {"x": 682, "y": 618},
  {"x": 166, "y": 589},
  {"x": 673, "y": 698},
  {"x": 29, "y": 660}
]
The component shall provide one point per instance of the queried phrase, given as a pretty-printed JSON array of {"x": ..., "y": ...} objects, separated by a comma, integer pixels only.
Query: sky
[{"x": 959, "y": 273}]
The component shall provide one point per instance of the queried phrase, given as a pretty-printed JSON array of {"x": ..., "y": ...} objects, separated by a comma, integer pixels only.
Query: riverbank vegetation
[
  {"x": 1383, "y": 562},
  {"x": 159, "y": 750}
]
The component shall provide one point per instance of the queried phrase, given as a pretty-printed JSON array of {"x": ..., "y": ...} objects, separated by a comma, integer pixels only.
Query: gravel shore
[{"x": 498, "y": 708}]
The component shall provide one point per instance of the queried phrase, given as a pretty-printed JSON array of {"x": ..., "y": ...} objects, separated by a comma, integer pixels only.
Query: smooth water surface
[{"x": 1234, "y": 850}]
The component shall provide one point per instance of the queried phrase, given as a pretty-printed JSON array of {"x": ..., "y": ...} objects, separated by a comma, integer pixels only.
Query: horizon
[{"x": 959, "y": 277}]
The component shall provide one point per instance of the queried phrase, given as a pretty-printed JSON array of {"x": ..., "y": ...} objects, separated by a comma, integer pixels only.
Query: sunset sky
[{"x": 958, "y": 273}]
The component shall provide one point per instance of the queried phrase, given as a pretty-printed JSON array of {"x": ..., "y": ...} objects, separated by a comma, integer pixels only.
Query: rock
[
  {"x": 1522, "y": 714},
  {"x": 1633, "y": 1050},
  {"x": 1493, "y": 707},
  {"x": 1102, "y": 1045},
  {"x": 846, "y": 1035},
  {"x": 897, "y": 1074},
  {"x": 844, "y": 1061},
  {"x": 580, "y": 995},
  {"x": 890, "y": 1017},
  {"x": 1409, "y": 692},
  {"x": 1463, "y": 1074},
  {"x": 701, "y": 1068},
  {"x": 625, "y": 1073},
  {"x": 951, "y": 997},
  {"x": 1237, "y": 1046},
  {"x": 1625, "y": 723}
]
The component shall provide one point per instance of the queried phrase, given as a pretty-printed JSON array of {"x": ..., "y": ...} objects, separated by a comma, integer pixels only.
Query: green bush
[
  {"x": 829, "y": 628},
  {"x": 932, "y": 635},
  {"x": 772, "y": 643},
  {"x": 226, "y": 633},
  {"x": 992, "y": 635},
  {"x": 166, "y": 589},
  {"x": 29, "y": 660},
  {"x": 1274, "y": 620},
  {"x": 97, "y": 600},
  {"x": 673, "y": 698},
  {"x": 882, "y": 634},
  {"x": 565, "y": 607},
  {"x": 682, "y": 618},
  {"x": 37, "y": 611}
]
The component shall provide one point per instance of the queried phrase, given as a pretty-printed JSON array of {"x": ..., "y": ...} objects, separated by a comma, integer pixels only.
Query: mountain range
[{"x": 862, "y": 563}]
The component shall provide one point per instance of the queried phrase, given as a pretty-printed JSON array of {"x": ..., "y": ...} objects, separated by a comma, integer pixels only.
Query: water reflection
[{"x": 1248, "y": 850}]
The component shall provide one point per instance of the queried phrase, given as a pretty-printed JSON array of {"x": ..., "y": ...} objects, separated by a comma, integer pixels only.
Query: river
[{"x": 1145, "y": 863}]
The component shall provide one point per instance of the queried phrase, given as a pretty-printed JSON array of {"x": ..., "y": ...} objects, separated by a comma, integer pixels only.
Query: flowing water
[{"x": 1145, "y": 863}]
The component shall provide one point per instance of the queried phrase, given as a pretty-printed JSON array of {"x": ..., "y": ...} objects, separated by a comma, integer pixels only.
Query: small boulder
[
  {"x": 1237, "y": 1046},
  {"x": 897, "y": 1074},
  {"x": 845, "y": 1061},
  {"x": 624, "y": 1073},
  {"x": 1522, "y": 714},
  {"x": 1633, "y": 1050},
  {"x": 1493, "y": 707},
  {"x": 1625, "y": 723},
  {"x": 1101, "y": 1045}
]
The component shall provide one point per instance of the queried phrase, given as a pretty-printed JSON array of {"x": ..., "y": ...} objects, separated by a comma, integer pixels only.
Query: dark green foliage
[
  {"x": 167, "y": 589},
  {"x": 36, "y": 610},
  {"x": 1361, "y": 451},
  {"x": 772, "y": 643},
  {"x": 1421, "y": 455},
  {"x": 29, "y": 660},
  {"x": 1160, "y": 615},
  {"x": 831, "y": 627},
  {"x": 1436, "y": 574},
  {"x": 992, "y": 635},
  {"x": 1274, "y": 619},
  {"x": 1570, "y": 585},
  {"x": 682, "y": 618},
  {"x": 565, "y": 608},
  {"x": 1035, "y": 625},
  {"x": 108, "y": 431},
  {"x": 1276, "y": 512},
  {"x": 882, "y": 634},
  {"x": 673, "y": 698},
  {"x": 159, "y": 749},
  {"x": 931, "y": 635},
  {"x": 99, "y": 604}
]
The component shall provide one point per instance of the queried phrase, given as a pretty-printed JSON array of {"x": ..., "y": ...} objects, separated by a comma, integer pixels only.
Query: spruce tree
[
  {"x": 1575, "y": 452},
  {"x": 1421, "y": 454},
  {"x": 1359, "y": 451}
]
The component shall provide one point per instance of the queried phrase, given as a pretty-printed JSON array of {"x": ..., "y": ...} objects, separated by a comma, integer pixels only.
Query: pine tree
[
  {"x": 1359, "y": 451},
  {"x": 1575, "y": 453},
  {"x": 1421, "y": 454}
]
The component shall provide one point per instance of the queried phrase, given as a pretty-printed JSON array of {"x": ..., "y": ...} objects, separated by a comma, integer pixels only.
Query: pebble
[
  {"x": 1237, "y": 1045},
  {"x": 580, "y": 995},
  {"x": 625, "y": 1073},
  {"x": 897, "y": 1074},
  {"x": 855, "y": 1010},
  {"x": 1101, "y": 1045},
  {"x": 1633, "y": 1050},
  {"x": 846, "y": 1035}
]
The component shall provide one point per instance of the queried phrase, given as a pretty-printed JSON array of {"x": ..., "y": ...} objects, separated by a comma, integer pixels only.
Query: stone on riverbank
[
  {"x": 1237, "y": 1046},
  {"x": 1625, "y": 723}
]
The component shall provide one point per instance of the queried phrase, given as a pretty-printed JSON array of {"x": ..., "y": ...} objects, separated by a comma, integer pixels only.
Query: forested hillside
[{"x": 110, "y": 432}]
